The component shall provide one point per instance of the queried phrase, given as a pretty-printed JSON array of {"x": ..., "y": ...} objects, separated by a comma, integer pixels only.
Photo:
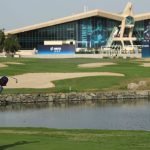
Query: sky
[{"x": 19, "y": 13}]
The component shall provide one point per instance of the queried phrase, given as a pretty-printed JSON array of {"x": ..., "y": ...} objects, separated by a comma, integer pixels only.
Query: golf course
[{"x": 81, "y": 74}]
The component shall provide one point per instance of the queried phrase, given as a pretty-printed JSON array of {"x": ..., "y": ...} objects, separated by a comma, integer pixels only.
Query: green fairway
[
  {"x": 51, "y": 139},
  {"x": 130, "y": 68}
]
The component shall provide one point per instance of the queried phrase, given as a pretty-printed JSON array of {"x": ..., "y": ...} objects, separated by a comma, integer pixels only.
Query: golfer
[{"x": 3, "y": 82}]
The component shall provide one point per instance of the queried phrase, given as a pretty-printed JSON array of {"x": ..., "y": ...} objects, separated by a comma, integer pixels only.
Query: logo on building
[{"x": 55, "y": 49}]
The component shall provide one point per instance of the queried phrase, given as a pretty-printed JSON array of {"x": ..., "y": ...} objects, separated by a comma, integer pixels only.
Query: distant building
[{"x": 91, "y": 29}]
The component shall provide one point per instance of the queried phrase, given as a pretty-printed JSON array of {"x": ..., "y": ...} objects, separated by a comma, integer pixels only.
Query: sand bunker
[
  {"x": 5, "y": 64},
  {"x": 144, "y": 59},
  {"x": 94, "y": 65},
  {"x": 2, "y": 65},
  {"x": 44, "y": 80},
  {"x": 146, "y": 65},
  {"x": 14, "y": 63}
]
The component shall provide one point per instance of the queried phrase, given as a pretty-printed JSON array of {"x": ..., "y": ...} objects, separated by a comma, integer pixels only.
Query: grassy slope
[
  {"x": 131, "y": 69},
  {"x": 50, "y": 139}
]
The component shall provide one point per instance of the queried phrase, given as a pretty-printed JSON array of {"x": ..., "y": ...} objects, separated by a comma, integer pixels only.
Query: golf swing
[{"x": 3, "y": 82}]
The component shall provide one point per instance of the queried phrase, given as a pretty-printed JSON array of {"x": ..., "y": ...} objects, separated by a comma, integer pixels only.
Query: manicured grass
[
  {"x": 130, "y": 68},
  {"x": 51, "y": 139},
  {"x": 88, "y": 83}
]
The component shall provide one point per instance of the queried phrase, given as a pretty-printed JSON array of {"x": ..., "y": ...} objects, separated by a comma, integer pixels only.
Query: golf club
[{"x": 14, "y": 79}]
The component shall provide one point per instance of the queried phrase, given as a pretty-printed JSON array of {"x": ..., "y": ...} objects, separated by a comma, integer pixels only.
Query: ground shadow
[{"x": 4, "y": 147}]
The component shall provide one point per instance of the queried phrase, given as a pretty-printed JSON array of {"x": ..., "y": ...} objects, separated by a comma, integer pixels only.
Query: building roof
[
  {"x": 140, "y": 17},
  {"x": 99, "y": 13},
  {"x": 68, "y": 19}
]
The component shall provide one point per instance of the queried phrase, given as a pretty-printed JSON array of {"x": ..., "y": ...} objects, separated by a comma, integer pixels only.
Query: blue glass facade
[
  {"x": 94, "y": 32},
  {"x": 140, "y": 28},
  {"x": 31, "y": 39},
  {"x": 90, "y": 32}
]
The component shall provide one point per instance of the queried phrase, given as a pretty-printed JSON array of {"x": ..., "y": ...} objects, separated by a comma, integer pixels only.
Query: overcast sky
[{"x": 20, "y": 13}]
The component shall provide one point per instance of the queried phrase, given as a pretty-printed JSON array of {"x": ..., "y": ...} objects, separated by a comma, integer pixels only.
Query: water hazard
[{"x": 129, "y": 115}]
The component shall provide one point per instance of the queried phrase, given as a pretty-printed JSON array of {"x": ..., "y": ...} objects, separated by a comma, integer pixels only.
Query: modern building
[{"x": 90, "y": 30}]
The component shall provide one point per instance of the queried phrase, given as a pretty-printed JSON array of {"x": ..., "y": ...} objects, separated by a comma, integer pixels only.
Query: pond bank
[{"x": 73, "y": 97}]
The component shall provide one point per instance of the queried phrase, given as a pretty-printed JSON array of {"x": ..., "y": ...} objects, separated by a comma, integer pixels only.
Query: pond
[{"x": 123, "y": 115}]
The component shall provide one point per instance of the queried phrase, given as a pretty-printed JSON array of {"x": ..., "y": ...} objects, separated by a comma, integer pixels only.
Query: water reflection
[
  {"x": 23, "y": 107},
  {"x": 134, "y": 115},
  {"x": 43, "y": 105}
]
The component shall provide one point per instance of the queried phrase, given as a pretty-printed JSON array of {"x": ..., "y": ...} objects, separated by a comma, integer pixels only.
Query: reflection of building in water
[{"x": 90, "y": 29}]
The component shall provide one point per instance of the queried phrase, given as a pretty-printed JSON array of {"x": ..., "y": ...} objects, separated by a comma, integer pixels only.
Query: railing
[{"x": 117, "y": 49}]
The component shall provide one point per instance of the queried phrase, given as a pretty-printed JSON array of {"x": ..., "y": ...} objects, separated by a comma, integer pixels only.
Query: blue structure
[
  {"x": 56, "y": 49},
  {"x": 146, "y": 48}
]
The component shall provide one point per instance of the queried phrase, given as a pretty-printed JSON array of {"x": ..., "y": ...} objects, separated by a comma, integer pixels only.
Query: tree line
[{"x": 8, "y": 43}]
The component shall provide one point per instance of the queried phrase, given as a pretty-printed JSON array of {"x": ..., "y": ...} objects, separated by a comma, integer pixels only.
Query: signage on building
[
  {"x": 56, "y": 49},
  {"x": 147, "y": 31},
  {"x": 146, "y": 48},
  {"x": 146, "y": 41}
]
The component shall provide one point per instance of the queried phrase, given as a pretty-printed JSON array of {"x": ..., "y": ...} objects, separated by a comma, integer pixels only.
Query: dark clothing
[
  {"x": 1, "y": 89},
  {"x": 3, "y": 81}
]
